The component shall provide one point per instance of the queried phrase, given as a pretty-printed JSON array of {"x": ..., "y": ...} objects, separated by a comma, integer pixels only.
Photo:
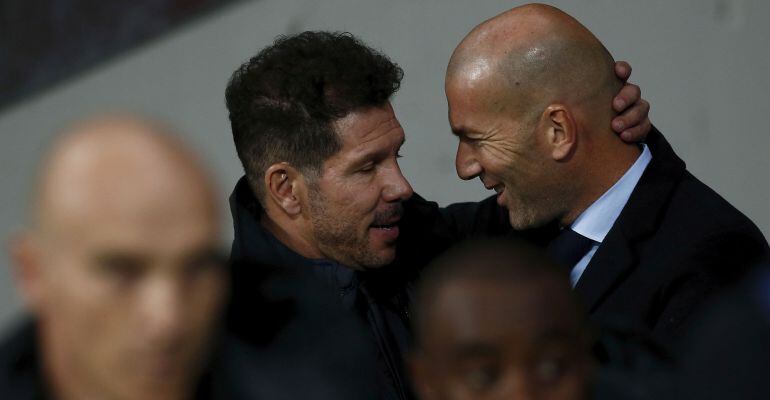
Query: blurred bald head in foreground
[
  {"x": 529, "y": 95},
  {"x": 497, "y": 320},
  {"x": 120, "y": 264}
]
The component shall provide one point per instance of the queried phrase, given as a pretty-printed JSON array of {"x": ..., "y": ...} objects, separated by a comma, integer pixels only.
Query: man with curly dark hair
[
  {"x": 320, "y": 98},
  {"x": 323, "y": 192}
]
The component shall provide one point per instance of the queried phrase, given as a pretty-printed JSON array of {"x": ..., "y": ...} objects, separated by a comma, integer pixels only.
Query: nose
[
  {"x": 518, "y": 384},
  {"x": 397, "y": 187},
  {"x": 161, "y": 310},
  {"x": 465, "y": 161}
]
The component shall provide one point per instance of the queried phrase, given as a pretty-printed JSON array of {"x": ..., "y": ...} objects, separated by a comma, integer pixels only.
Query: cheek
[
  {"x": 574, "y": 385},
  {"x": 79, "y": 292},
  {"x": 572, "y": 390},
  {"x": 496, "y": 161},
  {"x": 207, "y": 299},
  {"x": 354, "y": 198},
  {"x": 522, "y": 174},
  {"x": 90, "y": 319},
  {"x": 456, "y": 391}
]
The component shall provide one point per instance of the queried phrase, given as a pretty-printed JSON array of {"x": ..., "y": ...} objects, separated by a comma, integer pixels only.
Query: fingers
[
  {"x": 637, "y": 133},
  {"x": 633, "y": 123},
  {"x": 628, "y": 96},
  {"x": 635, "y": 115},
  {"x": 622, "y": 70}
]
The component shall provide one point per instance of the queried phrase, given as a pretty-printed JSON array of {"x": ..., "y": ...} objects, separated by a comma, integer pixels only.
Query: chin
[
  {"x": 152, "y": 391},
  {"x": 176, "y": 388},
  {"x": 380, "y": 258},
  {"x": 523, "y": 219},
  {"x": 165, "y": 395}
]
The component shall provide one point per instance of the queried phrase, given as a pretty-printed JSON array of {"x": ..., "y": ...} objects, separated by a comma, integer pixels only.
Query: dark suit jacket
[
  {"x": 675, "y": 243},
  {"x": 727, "y": 355}
]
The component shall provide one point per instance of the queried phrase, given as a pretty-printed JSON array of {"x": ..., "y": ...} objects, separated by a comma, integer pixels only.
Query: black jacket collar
[
  {"x": 254, "y": 244},
  {"x": 20, "y": 369},
  {"x": 638, "y": 220}
]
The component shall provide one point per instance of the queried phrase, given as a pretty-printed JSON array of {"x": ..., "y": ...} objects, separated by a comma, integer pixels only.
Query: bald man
[
  {"x": 643, "y": 240},
  {"x": 496, "y": 320},
  {"x": 120, "y": 270}
]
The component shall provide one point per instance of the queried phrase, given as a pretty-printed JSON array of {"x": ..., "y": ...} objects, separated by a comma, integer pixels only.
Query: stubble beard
[
  {"x": 534, "y": 212},
  {"x": 339, "y": 238}
]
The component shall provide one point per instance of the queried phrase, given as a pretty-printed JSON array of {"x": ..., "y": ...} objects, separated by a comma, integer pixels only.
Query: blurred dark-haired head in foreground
[
  {"x": 119, "y": 268},
  {"x": 497, "y": 320}
]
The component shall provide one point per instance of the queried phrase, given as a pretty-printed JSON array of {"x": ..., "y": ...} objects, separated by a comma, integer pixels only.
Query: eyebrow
[
  {"x": 110, "y": 258},
  {"x": 112, "y": 255},
  {"x": 209, "y": 253},
  {"x": 377, "y": 152},
  {"x": 474, "y": 350}
]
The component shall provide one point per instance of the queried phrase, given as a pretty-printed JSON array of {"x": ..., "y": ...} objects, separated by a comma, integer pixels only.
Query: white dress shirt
[{"x": 597, "y": 220}]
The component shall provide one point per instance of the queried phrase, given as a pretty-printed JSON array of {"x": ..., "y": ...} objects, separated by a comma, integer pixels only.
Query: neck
[
  {"x": 603, "y": 166},
  {"x": 288, "y": 232}
]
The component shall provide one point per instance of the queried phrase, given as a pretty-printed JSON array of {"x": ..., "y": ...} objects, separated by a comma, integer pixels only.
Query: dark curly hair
[{"x": 284, "y": 100}]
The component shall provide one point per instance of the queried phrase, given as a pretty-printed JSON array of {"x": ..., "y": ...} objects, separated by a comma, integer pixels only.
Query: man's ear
[
  {"x": 560, "y": 131},
  {"x": 27, "y": 269},
  {"x": 421, "y": 377},
  {"x": 285, "y": 186}
]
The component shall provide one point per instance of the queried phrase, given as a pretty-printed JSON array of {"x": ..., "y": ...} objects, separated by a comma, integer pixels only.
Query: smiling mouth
[
  {"x": 385, "y": 223},
  {"x": 387, "y": 227},
  {"x": 392, "y": 223},
  {"x": 386, "y": 232},
  {"x": 499, "y": 188}
]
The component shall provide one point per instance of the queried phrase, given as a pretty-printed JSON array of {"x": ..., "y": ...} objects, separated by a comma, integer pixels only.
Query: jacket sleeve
[
  {"x": 484, "y": 218},
  {"x": 457, "y": 221}
]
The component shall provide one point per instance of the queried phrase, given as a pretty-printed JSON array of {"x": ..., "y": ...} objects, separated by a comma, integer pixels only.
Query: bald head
[
  {"x": 532, "y": 56},
  {"x": 529, "y": 94},
  {"x": 122, "y": 166}
]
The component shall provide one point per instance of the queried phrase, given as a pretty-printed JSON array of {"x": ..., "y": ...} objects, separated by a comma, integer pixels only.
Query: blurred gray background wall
[{"x": 703, "y": 64}]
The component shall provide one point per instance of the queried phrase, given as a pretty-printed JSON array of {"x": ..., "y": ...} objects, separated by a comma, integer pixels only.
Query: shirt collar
[{"x": 597, "y": 220}]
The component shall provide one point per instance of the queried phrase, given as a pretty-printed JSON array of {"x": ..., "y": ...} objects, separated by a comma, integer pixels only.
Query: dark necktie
[{"x": 569, "y": 247}]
